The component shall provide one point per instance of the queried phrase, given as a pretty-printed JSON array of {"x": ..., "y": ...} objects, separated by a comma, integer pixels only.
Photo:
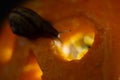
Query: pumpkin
[{"x": 44, "y": 59}]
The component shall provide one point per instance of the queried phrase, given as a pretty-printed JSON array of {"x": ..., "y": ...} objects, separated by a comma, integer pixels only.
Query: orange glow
[
  {"x": 5, "y": 55},
  {"x": 7, "y": 43},
  {"x": 7, "y": 40},
  {"x": 31, "y": 69}
]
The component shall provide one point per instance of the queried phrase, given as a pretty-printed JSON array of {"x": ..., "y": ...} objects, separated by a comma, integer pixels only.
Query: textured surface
[{"x": 102, "y": 61}]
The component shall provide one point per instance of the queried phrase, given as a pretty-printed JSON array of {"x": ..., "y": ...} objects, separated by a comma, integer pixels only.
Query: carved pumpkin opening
[
  {"x": 77, "y": 42},
  {"x": 76, "y": 47}
]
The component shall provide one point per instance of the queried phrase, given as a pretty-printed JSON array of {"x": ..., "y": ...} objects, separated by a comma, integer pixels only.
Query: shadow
[{"x": 6, "y": 6}]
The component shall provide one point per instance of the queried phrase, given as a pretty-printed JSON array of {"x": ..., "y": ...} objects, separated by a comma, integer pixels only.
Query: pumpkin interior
[{"x": 24, "y": 59}]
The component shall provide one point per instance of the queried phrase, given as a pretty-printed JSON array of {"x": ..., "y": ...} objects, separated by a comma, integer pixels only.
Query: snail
[{"x": 27, "y": 23}]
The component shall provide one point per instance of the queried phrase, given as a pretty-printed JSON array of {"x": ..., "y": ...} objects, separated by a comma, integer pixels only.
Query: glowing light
[
  {"x": 76, "y": 46},
  {"x": 88, "y": 39},
  {"x": 66, "y": 50},
  {"x": 5, "y": 55},
  {"x": 7, "y": 41},
  {"x": 32, "y": 70}
]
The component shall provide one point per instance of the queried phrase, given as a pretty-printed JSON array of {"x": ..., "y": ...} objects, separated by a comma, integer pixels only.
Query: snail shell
[{"x": 27, "y": 23}]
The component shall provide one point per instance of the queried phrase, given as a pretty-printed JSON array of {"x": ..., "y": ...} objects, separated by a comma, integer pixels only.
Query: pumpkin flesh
[{"x": 98, "y": 64}]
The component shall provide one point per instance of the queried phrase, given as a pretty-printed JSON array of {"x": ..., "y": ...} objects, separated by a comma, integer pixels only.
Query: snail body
[{"x": 27, "y": 23}]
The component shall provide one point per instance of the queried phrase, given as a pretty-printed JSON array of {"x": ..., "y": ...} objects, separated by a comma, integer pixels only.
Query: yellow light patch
[{"x": 76, "y": 46}]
